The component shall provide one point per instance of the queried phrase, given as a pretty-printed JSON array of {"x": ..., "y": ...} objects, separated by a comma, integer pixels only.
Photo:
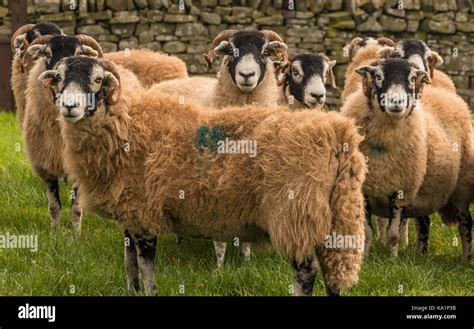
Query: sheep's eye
[
  {"x": 429, "y": 58},
  {"x": 396, "y": 54},
  {"x": 295, "y": 73},
  {"x": 378, "y": 78},
  {"x": 79, "y": 53},
  {"x": 98, "y": 80},
  {"x": 413, "y": 79},
  {"x": 58, "y": 78}
]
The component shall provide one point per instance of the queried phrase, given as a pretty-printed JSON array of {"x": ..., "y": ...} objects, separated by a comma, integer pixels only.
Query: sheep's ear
[
  {"x": 49, "y": 78},
  {"x": 222, "y": 49},
  {"x": 434, "y": 61},
  {"x": 113, "y": 88},
  {"x": 422, "y": 77},
  {"x": 366, "y": 73},
  {"x": 386, "y": 52}
]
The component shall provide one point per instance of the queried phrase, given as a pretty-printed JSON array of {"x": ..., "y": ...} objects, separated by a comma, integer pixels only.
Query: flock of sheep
[{"x": 141, "y": 141}]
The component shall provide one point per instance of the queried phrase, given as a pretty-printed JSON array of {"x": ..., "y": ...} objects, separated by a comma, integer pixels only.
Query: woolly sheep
[
  {"x": 246, "y": 76},
  {"x": 361, "y": 51},
  {"x": 172, "y": 153},
  {"x": 150, "y": 67},
  {"x": 19, "y": 42},
  {"x": 417, "y": 52},
  {"x": 303, "y": 85},
  {"x": 414, "y": 146},
  {"x": 42, "y": 136}
]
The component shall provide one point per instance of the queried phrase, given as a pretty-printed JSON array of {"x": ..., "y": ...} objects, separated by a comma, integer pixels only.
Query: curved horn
[
  {"x": 114, "y": 93},
  {"x": 224, "y": 35},
  {"x": 386, "y": 42},
  {"x": 22, "y": 30},
  {"x": 330, "y": 74},
  {"x": 91, "y": 42},
  {"x": 273, "y": 36},
  {"x": 42, "y": 40}
]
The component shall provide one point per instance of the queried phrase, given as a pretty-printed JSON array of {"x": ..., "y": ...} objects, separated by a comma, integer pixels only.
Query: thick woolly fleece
[
  {"x": 194, "y": 90},
  {"x": 419, "y": 154},
  {"x": 149, "y": 66},
  {"x": 173, "y": 146},
  {"x": 352, "y": 80},
  {"x": 19, "y": 81},
  {"x": 442, "y": 80}
]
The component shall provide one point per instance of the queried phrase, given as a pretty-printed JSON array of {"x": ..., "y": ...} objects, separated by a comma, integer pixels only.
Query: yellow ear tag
[
  {"x": 427, "y": 80},
  {"x": 278, "y": 54}
]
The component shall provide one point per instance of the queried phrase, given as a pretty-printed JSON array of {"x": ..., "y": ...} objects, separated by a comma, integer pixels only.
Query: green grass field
[{"x": 92, "y": 263}]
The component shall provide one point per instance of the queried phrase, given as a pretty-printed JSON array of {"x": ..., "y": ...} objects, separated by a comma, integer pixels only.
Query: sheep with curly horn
[{"x": 20, "y": 41}]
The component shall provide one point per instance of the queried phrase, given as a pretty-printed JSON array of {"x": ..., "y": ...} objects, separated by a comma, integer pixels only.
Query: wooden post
[{"x": 18, "y": 17}]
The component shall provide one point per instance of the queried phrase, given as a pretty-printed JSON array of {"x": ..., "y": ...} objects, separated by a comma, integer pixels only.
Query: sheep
[
  {"x": 19, "y": 42},
  {"x": 417, "y": 52},
  {"x": 457, "y": 210},
  {"x": 150, "y": 67},
  {"x": 246, "y": 76},
  {"x": 361, "y": 51},
  {"x": 42, "y": 136},
  {"x": 172, "y": 178},
  {"x": 414, "y": 146},
  {"x": 303, "y": 84}
]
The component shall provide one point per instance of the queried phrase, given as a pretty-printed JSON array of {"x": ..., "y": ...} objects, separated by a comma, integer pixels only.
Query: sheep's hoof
[{"x": 333, "y": 292}]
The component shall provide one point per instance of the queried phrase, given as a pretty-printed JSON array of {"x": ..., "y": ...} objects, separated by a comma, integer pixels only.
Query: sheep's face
[
  {"x": 246, "y": 57},
  {"x": 81, "y": 84},
  {"x": 35, "y": 32},
  {"x": 307, "y": 77},
  {"x": 395, "y": 85},
  {"x": 414, "y": 51},
  {"x": 358, "y": 43},
  {"x": 60, "y": 47}
]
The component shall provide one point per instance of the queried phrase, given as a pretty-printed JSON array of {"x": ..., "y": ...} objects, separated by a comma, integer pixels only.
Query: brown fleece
[
  {"x": 352, "y": 80},
  {"x": 149, "y": 66},
  {"x": 416, "y": 154},
  {"x": 193, "y": 90},
  {"x": 19, "y": 81},
  {"x": 224, "y": 195},
  {"x": 442, "y": 80}
]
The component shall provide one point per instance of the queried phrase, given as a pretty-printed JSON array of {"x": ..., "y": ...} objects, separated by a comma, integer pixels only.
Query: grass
[{"x": 92, "y": 263}]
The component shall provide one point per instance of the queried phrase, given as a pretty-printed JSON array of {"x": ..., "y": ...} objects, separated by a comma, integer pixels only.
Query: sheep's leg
[
  {"x": 382, "y": 225},
  {"x": 76, "y": 211},
  {"x": 394, "y": 229},
  {"x": 54, "y": 201},
  {"x": 220, "y": 248},
  {"x": 369, "y": 230},
  {"x": 305, "y": 275},
  {"x": 131, "y": 263},
  {"x": 422, "y": 233},
  {"x": 465, "y": 231},
  {"x": 404, "y": 231},
  {"x": 146, "y": 251},
  {"x": 245, "y": 249}
]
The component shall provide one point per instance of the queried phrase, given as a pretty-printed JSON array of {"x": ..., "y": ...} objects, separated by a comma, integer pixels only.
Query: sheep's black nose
[
  {"x": 317, "y": 96},
  {"x": 247, "y": 75},
  {"x": 69, "y": 107}
]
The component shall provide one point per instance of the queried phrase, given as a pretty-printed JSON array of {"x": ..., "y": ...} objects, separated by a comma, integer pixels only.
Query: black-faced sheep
[
  {"x": 42, "y": 134},
  {"x": 20, "y": 41},
  {"x": 150, "y": 67},
  {"x": 194, "y": 188},
  {"x": 361, "y": 51},
  {"x": 414, "y": 146},
  {"x": 304, "y": 83},
  {"x": 417, "y": 52}
]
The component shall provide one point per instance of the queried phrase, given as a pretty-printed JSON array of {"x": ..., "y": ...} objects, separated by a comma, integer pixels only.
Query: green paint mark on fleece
[
  {"x": 208, "y": 137},
  {"x": 377, "y": 149}
]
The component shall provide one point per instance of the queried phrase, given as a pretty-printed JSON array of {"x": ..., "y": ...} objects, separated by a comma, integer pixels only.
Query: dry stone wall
[{"x": 185, "y": 28}]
